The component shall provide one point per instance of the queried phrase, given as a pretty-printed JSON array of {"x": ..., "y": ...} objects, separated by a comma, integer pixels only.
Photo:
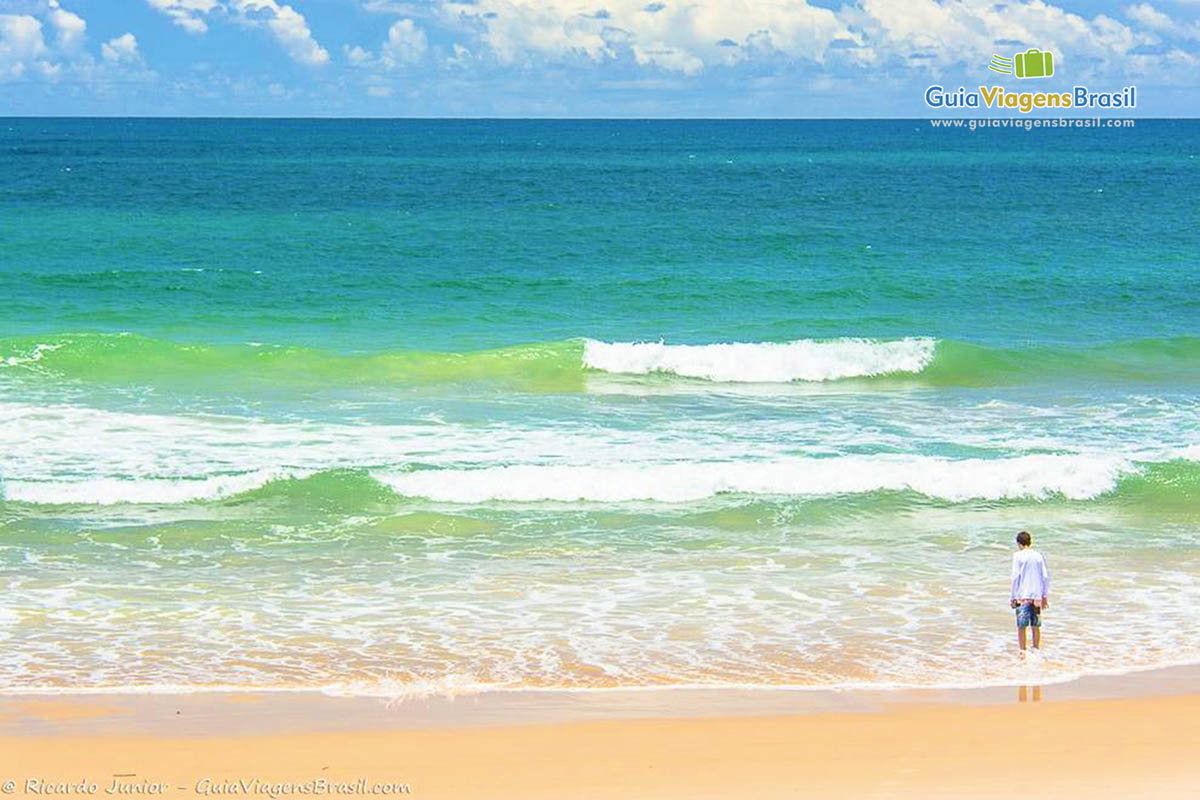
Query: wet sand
[{"x": 1130, "y": 736}]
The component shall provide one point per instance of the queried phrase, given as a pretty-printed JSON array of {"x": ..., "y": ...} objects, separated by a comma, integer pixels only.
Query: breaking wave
[
  {"x": 565, "y": 365},
  {"x": 1030, "y": 477}
]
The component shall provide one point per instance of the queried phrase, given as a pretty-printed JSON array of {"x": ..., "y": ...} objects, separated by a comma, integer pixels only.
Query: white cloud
[
  {"x": 286, "y": 24},
  {"x": 969, "y": 31},
  {"x": 692, "y": 36},
  {"x": 289, "y": 28},
  {"x": 71, "y": 27},
  {"x": 406, "y": 44},
  {"x": 356, "y": 55},
  {"x": 21, "y": 37},
  {"x": 123, "y": 48},
  {"x": 187, "y": 14},
  {"x": 50, "y": 43},
  {"x": 680, "y": 37},
  {"x": 1149, "y": 17},
  {"x": 21, "y": 45},
  {"x": 687, "y": 37}
]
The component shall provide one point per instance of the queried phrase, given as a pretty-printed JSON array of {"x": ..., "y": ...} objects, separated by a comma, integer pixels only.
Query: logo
[{"x": 1033, "y": 63}]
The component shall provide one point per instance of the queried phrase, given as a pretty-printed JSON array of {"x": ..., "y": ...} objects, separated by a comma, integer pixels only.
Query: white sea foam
[
  {"x": 70, "y": 454},
  {"x": 111, "y": 491},
  {"x": 1035, "y": 476},
  {"x": 763, "y": 362},
  {"x": 32, "y": 356},
  {"x": 1024, "y": 477}
]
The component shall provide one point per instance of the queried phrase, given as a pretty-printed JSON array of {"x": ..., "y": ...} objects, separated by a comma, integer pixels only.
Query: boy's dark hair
[{"x": 1024, "y": 539}]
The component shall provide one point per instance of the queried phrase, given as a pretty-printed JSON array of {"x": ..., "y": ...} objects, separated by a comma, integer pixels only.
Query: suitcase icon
[{"x": 1033, "y": 63}]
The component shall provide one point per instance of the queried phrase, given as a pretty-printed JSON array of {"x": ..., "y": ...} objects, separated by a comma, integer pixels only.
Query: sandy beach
[{"x": 1106, "y": 737}]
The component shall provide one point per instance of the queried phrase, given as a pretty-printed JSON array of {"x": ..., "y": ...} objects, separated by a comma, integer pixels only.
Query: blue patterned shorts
[{"x": 1028, "y": 615}]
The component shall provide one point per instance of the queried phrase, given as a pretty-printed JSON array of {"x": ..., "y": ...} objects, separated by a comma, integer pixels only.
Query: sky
[{"x": 575, "y": 58}]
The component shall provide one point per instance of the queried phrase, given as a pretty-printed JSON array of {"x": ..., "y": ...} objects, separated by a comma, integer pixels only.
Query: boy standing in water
[{"x": 1030, "y": 589}]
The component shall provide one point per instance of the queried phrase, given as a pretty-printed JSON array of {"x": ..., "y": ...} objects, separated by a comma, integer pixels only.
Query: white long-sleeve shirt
[{"x": 1030, "y": 578}]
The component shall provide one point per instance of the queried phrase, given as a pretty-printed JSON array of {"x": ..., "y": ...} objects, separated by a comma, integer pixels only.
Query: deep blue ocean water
[{"x": 458, "y": 235}]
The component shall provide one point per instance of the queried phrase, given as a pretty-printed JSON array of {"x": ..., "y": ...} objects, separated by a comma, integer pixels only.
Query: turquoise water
[{"x": 403, "y": 406}]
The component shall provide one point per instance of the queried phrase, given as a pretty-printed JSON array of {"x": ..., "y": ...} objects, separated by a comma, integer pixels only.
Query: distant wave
[
  {"x": 128, "y": 358},
  {"x": 1030, "y": 477},
  {"x": 763, "y": 362}
]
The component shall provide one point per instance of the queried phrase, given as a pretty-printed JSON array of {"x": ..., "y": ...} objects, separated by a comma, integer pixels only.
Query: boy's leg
[
  {"x": 1037, "y": 636},
  {"x": 1021, "y": 638}
]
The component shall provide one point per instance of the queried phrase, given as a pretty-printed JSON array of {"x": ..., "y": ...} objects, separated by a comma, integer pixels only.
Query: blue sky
[{"x": 612, "y": 58}]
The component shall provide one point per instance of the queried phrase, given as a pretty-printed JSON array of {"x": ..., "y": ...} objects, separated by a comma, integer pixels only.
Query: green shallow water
[{"x": 133, "y": 359}]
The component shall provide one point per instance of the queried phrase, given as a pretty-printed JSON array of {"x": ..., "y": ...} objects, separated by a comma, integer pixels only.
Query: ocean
[{"x": 399, "y": 407}]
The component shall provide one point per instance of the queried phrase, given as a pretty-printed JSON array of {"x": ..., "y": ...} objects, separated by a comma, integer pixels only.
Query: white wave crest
[
  {"x": 113, "y": 491},
  {"x": 1077, "y": 477},
  {"x": 763, "y": 362},
  {"x": 1029, "y": 477}
]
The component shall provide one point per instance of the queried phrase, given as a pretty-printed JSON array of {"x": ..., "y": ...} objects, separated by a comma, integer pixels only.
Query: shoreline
[{"x": 205, "y": 712}]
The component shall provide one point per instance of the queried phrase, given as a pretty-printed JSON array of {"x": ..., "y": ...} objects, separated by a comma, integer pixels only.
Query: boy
[{"x": 1030, "y": 589}]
